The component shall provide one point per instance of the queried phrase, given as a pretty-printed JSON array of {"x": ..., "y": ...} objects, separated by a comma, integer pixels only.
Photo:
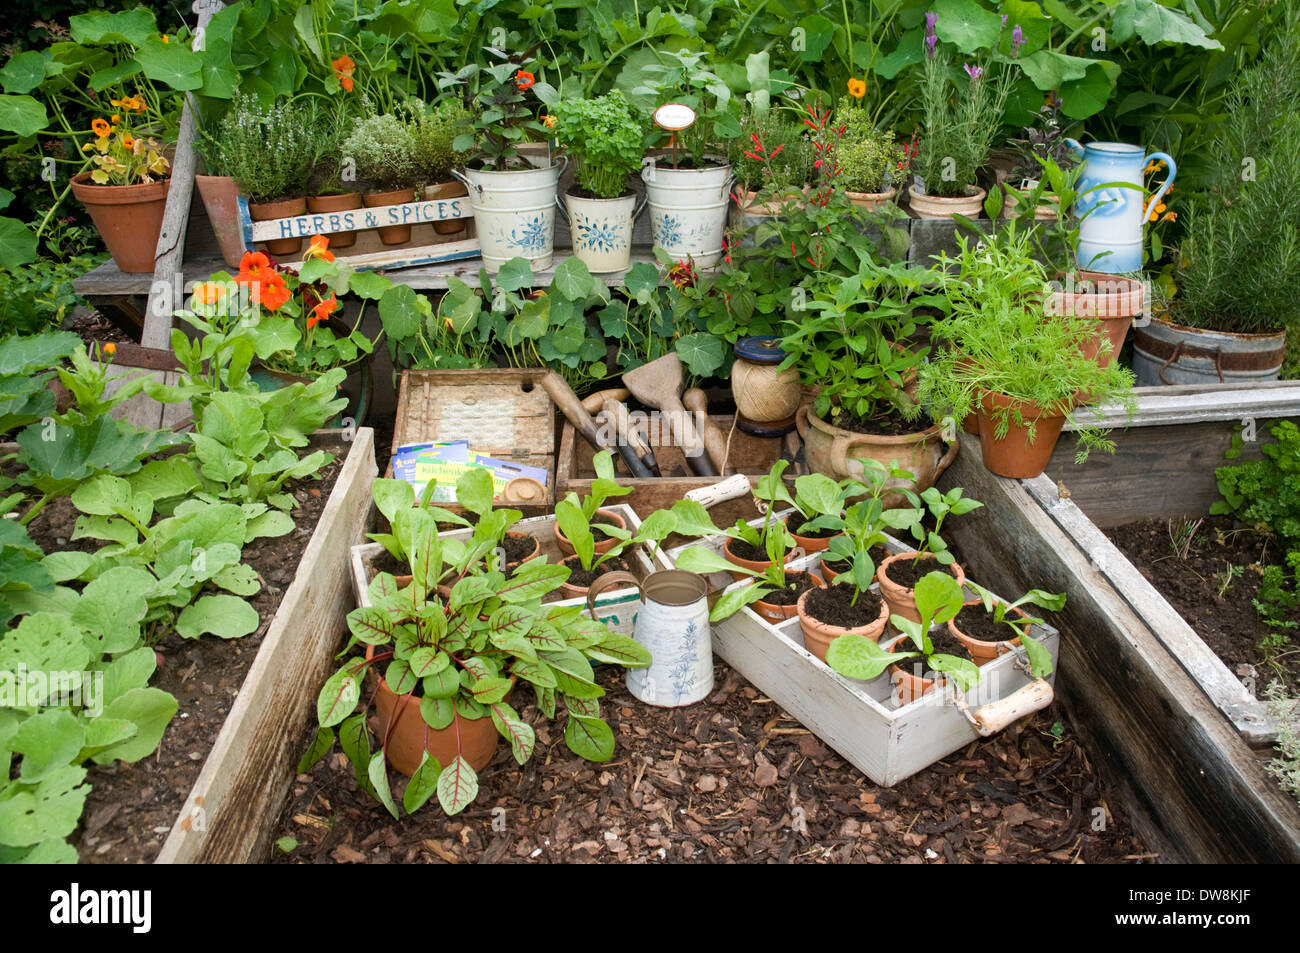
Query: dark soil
[
  {"x": 824, "y": 533},
  {"x": 908, "y": 572},
  {"x": 1228, "y": 622},
  {"x": 131, "y": 808},
  {"x": 795, "y": 584},
  {"x": 518, "y": 548},
  {"x": 749, "y": 551},
  {"x": 578, "y": 191},
  {"x": 387, "y": 562},
  {"x": 889, "y": 424},
  {"x": 832, "y": 606},
  {"x": 945, "y": 643},
  {"x": 94, "y": 328},
  {"x": 974, "y": 622},
  {"x": 731, "y": 780},
  {"x": 585, "y": 577}
]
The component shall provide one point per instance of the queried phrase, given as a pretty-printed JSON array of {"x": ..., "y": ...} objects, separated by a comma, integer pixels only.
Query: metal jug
[
  {"x": 1112, "y": 216},
  {"x": 673, "y": 625}
]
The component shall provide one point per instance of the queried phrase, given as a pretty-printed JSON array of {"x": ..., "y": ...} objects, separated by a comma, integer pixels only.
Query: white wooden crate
[
  {"x": 863, "y": 720},
  {"x": 615, "y": 607}
]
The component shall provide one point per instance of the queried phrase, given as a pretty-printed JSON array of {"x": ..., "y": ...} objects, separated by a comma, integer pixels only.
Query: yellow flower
[
  {"x": 208, "y": 292},
  {"x": 116, "y": 119},
  {"x": 165, "y": 40},
  {"x": 1160, "y": 207},
  {"x": 110, "y": 349},
  {"x": 548, "y": 122},
  {"x": 100, "y": 127},
  {"x": 857, "y": 88},
  {"x": 128, "y": 142}
]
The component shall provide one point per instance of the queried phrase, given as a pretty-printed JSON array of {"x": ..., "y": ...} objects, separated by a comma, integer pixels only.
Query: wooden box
[
  {"x": 503, "y": 413},
  {"x": 864, "y": 720},
  {"x": 615, "y": 607}
]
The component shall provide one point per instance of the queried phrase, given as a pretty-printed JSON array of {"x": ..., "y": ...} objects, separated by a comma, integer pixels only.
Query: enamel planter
[
  {"x": 1110, "y": 207},
  {"x": 688, "y": 210},
  {"x": 601, "y": 230},
  {"x": 514, "y": 214}
]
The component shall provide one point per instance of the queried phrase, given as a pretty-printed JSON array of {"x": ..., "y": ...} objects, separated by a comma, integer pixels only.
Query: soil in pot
[
  {"x": 747, "y": 551},
  {"x": 795, "y": 584},
  {"x": 833, "y": 567},
  {"x": 580, "y": 578},
  {"x": 518, "y": 547},
  {"x": 907, "y": 573},
  {"x": 889, "y": 424},
  {"x": 975, "y": 622},
  {"x": 834, "y": 605}
]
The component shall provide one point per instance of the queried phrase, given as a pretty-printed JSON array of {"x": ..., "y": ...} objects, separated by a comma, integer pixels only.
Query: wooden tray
[{"x": 504, "y": 413}]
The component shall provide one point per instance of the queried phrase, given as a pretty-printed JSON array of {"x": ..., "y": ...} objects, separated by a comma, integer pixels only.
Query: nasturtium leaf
[
  {"x": 457, "y": 786},
  {"x": 172, "y": 63},
  {"x": 399, "y": 311},
  {"x": 589, "y": 738},
  {"x": 100, "y": 28},
  {"x": 514, "y": 275},
  {"x": 22, "y": 115},
  {"x": 423, "y": 784},
  {"x": 572, "y": 279},
  {"x": 701, "y": 352}
]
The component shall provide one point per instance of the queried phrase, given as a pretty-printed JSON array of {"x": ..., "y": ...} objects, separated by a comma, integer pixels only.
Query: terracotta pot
[
  {"x": 828, "y": 573},
  {"x": 220, "y": 197},
  {"x": 1045, "y": 212},
  {"x": 567, "y": 589},
  {"x": 809, "y": 544},
  {"x": 406, "y": 733},
  {"x": 818, "y": 636},
  {"x": 937, "y": 206},
  {"x": 902, "y": 600},
  {"x": 756, "y": 565},
  {"x": 1113, "y": 301},
  {"x": 981, "y": 651},
  {"x": 129, "y": 219},
  {"x": 390, "y": 234},
  {"x": 777, "y": 614},
  {"x": 327, "y": 204},
  {"x": 971, "y": 424},
  {"x": 910, "y": 686},
  {"x": 602, "y": 546},
  {"x": 1013, "y": 456},
  {"x": 266, "y": 211},
  {"x": 870, "y": 201},
  {"x": 447, "y": 190},
  {"x": 834, "y": 451}
]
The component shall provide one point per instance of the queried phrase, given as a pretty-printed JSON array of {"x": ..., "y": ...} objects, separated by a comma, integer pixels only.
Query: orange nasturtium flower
[
  {"x": 343, "y": 69},
  {"x": 272, "y": 294},
  {"x": 548, "y": 122},
  {"x": 109, "y": 349},
  {"x": 128, "y": 141},
  {"x": 322, "y": 311},
  {"x": 319, "y": 248},
  {"x": 254, "y": 267},
  {"x": 208, "y": 292},
  {"x": 857, "y": 88},
  {"x": 524, "y": 79},
  {"x": 100, "y": 127}
]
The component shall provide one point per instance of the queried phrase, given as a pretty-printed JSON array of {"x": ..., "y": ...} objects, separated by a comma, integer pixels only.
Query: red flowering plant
[
  {"x": 504, "y": 114},
  {"x": 290, "y": 316}
]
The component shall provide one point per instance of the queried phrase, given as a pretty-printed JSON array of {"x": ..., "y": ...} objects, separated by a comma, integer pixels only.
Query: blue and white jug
[{"x": 1110, "y": 206}]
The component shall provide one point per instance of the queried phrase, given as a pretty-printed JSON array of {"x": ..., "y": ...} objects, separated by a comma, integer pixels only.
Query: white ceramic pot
[
  {"x": 688, "y": 210},
  {"x": 938, "y": 206},
  {"x": 601, "y": 230},
  {"x": 514, "y": 213}
]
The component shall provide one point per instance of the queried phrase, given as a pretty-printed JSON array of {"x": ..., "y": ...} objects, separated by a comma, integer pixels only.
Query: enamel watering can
[
  {"x": 1110, "y": 208},
  {"x": 673, "y": 625}
]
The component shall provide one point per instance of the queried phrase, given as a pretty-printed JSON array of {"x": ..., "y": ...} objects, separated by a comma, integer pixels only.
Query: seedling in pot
[
  {"x": 1040, "y": 660},
  {"x": 938, "y": 600},
  {"x": 777, "y": 541},
  {"x": 864, "y": 522},
  {"x": 396, "y": 500},
  {"x": 940, "y": 505},
  {"x": 820, "y": 503}
]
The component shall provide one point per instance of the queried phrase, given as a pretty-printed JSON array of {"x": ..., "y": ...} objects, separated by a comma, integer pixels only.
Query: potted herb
[
  {"x": 860, "y": 546},
  {"x": 267, "y": 150},
  {"x": 513, "y": 200},
  {"x": 772, "y": 153},
  {"x": 961, "y": 120},
  {"x": 938, "y": 600},
  {"x": 604, "y": 136},
  {"x": 870, "y": 160},
  {"x": 1022, "y": 375},
  {"x": 327, "y": 193},
  {"x": 435, "y": 129},
  {"x": 819, "y": 511},
  {"x": 586, "y": 565},
  {"x": 453, "y": 645},
  {"x": 898, "y": 574},
  {"x": 988, "y": 627},
  {"x": 603, "y": 487},
  {"x": 384, "y": 150}
]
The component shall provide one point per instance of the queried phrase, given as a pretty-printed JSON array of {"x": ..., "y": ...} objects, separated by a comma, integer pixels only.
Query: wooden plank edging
[{"x": 230, "y": 811}]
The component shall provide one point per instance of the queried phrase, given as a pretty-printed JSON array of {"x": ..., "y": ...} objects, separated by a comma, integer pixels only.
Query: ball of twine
[{"x": 763, "y": 393}]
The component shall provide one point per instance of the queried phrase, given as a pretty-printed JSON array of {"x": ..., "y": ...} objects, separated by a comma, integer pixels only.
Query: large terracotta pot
[
  {"x": 602, "y": 545},
  {"x": 328, "y": 204},
  {"x": 775, "y": 613},
  {"x": 390, "y": 234},
  {"x": 1014, "y": 456},
  {"x": 1113, "y": 301},
  {"x": 267, "y": 211},
  {"x": 834, "y": 451},
  {"x": 871, "y": 201},
  {"x": 902, "y": 600},
  {"x": 129, "y": 219},
  {"x": 980, "y": 650},
  {"x": 937, "y": 206},
  {"x": 447, "y": 190},
  {"x": 818, "y": 636},
  {"x": 407, "y": 731},
  {"x": 220, "y": 197}
]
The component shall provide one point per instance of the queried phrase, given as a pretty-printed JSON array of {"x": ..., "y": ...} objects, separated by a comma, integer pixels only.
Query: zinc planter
[
  {"x": 601, "y": 230},
  {"x": 390, "y": 234},
  {"x": 268, "y": 211},
  {"x": 688, "y": 210},
  {"x": 327, "y": 204},
  {"x": 220, "y": 197},
  {"x": 938, "y": 206},
  {"x": 514, "y": 213},
  {"x": 1168, "y": 353},
  {"x": 128, "y": 217}
]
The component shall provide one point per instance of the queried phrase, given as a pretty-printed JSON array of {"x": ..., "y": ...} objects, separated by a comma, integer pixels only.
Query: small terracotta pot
[
  {"x": 756, "y": 565},
  {"x": 900, "y": 599},
  {"x": 390, "y": 234},
  {"x": 326, "y": 204},
  {"x": 567, "y": 589},
  {"x": 220, "y": 197},
  {"x": 910, "y": 685},
  {"x": 818, "y": 636},
  {"x": 938, "y": 206},
  {"x": 870, "y": 201},
  {"x": 775, "y": 613},
  {"x": 981, "y": 651},
  {"x": 810, "y": 544},
  {"x": 602, "y": 546},
  {"x": 1013, "y": 456},
  {"x": 1046, "y": 210},
  {"x": 128, "y": 217},
  {"x": 828, "y": 573},
  {"x": 266, "y": 211},
  {"x": 407, "y": 731},
  {"x": 447, "y": 190}
]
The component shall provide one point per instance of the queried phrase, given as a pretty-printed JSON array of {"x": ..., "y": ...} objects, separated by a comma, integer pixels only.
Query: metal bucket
[
  {"x": 1168, "y": 353},
  {"x": 514, "y": 214},
  {"x": 600, "y": 230},
  {"x": 688, "y": 210}
]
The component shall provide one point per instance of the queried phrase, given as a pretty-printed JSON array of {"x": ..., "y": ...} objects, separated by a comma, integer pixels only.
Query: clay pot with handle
[{"x": 834, "y": 451}]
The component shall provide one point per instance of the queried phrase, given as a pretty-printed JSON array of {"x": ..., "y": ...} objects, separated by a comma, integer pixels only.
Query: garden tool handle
[
  {"x": 627, "y": 438},
  {"x": 733, "y": 487},
  {"x": 560, "y": 205},
  {"x": 562, "y": 395},
  {"x": 593, "y": 403},
  {"x": 688, "y": 438},
  {"x": 601, "y": 583},
  {"x": 993, "y": 717},
  {"x": 1173, "y": 171}
]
